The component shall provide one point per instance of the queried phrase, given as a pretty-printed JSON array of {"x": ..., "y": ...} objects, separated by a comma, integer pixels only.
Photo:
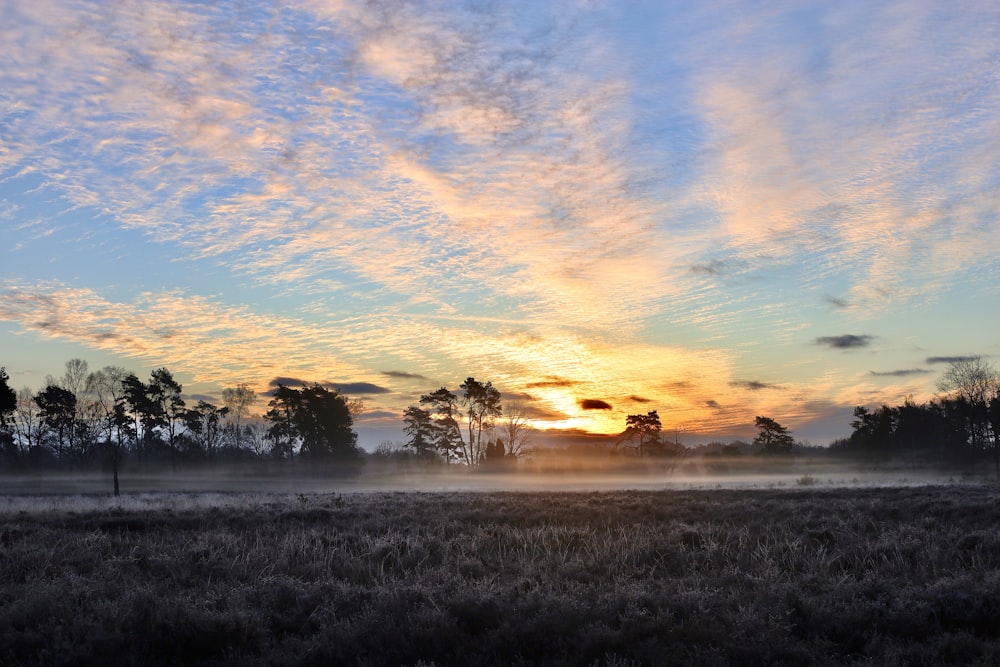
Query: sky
[{"x": 715, "y": 210}]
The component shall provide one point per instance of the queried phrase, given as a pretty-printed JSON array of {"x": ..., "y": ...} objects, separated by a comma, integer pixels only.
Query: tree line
[
  {"x": 109, "y": 416},
  {"x": 960, "y": 427}
]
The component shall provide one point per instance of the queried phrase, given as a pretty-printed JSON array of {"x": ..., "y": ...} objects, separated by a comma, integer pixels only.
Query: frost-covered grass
[{"x": 787, "y": 576}]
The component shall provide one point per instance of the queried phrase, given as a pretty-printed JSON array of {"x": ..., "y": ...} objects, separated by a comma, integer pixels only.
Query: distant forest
[{"x": 110, "y": 418}]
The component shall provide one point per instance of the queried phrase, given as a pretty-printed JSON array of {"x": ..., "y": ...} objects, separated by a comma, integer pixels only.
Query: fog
[{"x": 217, "y": 483}]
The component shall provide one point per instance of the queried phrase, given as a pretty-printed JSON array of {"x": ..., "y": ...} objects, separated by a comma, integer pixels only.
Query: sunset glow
[{"x": 715, "y": 210}]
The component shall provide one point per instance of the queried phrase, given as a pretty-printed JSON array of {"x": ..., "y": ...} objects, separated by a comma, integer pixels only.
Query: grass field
[{"x": 791, "y": 576}]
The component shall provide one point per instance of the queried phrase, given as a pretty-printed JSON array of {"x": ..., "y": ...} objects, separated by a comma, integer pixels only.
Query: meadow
[{"x": 806, "y": 575}]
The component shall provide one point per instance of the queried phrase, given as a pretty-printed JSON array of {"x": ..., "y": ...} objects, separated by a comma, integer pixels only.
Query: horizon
[{"x": 715, "y": 212}]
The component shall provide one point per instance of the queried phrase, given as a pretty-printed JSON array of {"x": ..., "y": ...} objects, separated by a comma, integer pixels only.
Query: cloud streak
[{"x": 846, "y": 341}]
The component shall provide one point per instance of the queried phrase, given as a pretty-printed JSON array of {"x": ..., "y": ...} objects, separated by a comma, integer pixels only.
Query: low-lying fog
[{"x": 378, "y": 479}]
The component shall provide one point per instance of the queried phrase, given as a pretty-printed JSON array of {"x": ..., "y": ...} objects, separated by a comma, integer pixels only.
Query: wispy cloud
[
  {"x": 403, "y": 375},
  {"x": 753, "y": 385},
  {"x": 952, "y": 360},
  {"x": 901, "y": 373},
  {"x": 594, "y": 404}
]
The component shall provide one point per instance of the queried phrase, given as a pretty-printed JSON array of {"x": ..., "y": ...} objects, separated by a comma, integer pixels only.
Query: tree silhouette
[
  {"x": 57, "y": 410},
  {"x": 514, "y": 429},
  {"x": 419, "y": 425},
  {"x": 317, "y": 419},
  {"x": 8, "y": 398},
  {"x": 643, "y": 430},
  {"x": 482, "y": 405},
  {"x": 772, "y": 437},
  {"x": 238, "y": 400},
  {"x": 973, "y": 382},
  {"x": 8, "y": 403},
  {"x": 447, "y": 436}
]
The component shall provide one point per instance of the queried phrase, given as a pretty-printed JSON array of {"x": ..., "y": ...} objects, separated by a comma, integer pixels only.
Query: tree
[
  {"x": 994, "y": 415},
  {"x": 238, "y": 400},
  {"x": 772, "y": 437},
  {"x": 107, "y": 387},
  {"x": 87, "y": 428},
  {"x": 8, "y": 399},
  {"x": 8, "y": 404},
  {"x": 315, "y": 418},
  {"x": 972, "y": 378},
  {"x": 514, "y": 430},
  {"x": 205, "y": 423},
  {"x": 165, "y": 394},
  {"x": 284, "y": 405},
  {"x": 419, "y": 425},
  {"x": 643, "y": 430},
  {"x": 27, "y": 425},
  {"x": 57, "y": 410},
  {"x": 447, "y": 437},
  {"x": 973, "y": 382},
  {"x": 146, "y": 417},
  {"x": 482, "y": 405}
]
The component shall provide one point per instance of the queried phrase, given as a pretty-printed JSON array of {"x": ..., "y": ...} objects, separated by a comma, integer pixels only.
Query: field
[{"x": 797, "y": 576}]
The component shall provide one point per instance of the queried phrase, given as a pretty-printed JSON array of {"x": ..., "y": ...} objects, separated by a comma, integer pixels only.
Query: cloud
[
  {"x": 377, "y": 160},
  {"x": 287, "y": 382},
  {"x": 374, "y": 415},
  {"x": 902, "y": 373},
  {"x": 837, "y": 301},
  {"x": 951, "y": 360},
  {"x": 711, "y": 268},
  {"x": 788, "y": 119},
  {"x": 538, "y": 413},
  {"x": 713, "y": 404},
  {"x": 846, "y": 341},
  {"x": 403, "y": 375},
  {"x": 381, "y": 162},
  {"x": 753, "y": 385},
  {"x": 359, "y": 388},
  {"x": 548, "y": 384},
  {"x": 594, "y": 404},
  {"x": 638, "y": 399}
]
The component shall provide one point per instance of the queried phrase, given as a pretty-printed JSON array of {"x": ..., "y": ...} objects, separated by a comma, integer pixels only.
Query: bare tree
[
  {"x": 973, "y": 379},
  {"x": 106, "y": 386},
  {"x": 27, "y": 424},
  {"x": 75, "y": 377},
  {"x": 255, "y": 436},
  {"x": 514, "y": 429},
  {"x": 239, "y": 399}
]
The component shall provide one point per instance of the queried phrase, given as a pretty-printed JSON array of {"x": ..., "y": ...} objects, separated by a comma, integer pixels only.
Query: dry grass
[{"x": 804, "y": 576}]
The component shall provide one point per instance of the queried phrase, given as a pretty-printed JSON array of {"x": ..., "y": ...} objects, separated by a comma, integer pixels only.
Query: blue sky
[{"x": 716, "y": 210}]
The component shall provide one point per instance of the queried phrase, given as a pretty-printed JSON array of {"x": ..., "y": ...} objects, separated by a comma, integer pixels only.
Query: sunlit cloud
[{"x": 542, "y": 195}]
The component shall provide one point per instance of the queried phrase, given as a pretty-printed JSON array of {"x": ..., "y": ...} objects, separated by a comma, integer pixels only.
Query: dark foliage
[{"x": 317, "y": 419}]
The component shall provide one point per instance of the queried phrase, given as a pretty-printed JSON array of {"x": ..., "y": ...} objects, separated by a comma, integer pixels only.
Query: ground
[{"x": 802, "y": 574}]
